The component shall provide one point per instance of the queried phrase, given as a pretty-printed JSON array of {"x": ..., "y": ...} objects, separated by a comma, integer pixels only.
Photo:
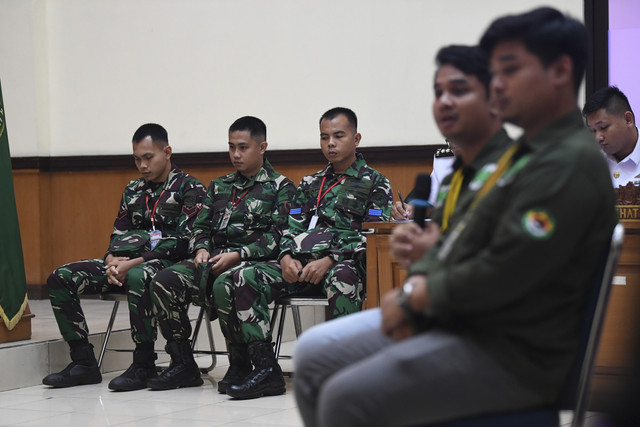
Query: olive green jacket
[{"x": 513, "y": 273}]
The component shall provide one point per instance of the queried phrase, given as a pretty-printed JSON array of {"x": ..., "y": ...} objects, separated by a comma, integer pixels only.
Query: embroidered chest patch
[{"x": 538, "y": 224}]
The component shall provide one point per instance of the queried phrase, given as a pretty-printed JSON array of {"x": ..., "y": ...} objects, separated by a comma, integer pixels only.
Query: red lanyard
[
  {"x": 153, "y": 212},
  {"x": 235, "y": 202},
  {"x": 320, "y": 195}
]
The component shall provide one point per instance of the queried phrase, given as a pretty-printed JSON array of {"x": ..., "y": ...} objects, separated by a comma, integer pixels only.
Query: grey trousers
[{"x": 350, "y": 374}]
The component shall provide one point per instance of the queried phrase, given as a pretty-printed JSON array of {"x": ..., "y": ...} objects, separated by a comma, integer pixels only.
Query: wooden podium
[
  {"x": 621, "y": 329},
  {"x": 383, "y": 272}
]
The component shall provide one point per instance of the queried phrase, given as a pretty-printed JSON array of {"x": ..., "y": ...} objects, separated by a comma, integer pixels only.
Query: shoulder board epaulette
[{"x": 444, "y": 152}]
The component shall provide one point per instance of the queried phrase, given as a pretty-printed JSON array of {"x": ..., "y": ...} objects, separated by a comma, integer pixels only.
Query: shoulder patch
[
  {"x": 538, "y": 224},
  {"x": 444, "y": 152}
]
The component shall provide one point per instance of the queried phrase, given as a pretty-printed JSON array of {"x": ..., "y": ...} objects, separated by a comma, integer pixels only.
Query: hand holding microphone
[{"x": 420, "y": 201}]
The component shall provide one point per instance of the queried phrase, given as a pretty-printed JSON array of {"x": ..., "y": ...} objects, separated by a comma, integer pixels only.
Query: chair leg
[
  {"x": 296, "y": 320},
  {"x": 274, "y": 315},
  {"x": 212, "y": 347},
  {"x": 283, "y": 312},
  {"x": 202, "y": 314},
  {"x": 112, "y": 319},
  {"x": 196, "y": 328}
]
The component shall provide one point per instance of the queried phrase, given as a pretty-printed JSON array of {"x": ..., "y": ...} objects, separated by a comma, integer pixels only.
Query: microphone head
[{"x": 422, "y": 189}]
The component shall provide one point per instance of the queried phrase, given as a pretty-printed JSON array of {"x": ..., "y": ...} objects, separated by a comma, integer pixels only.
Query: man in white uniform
[
  {"x": 610, "y": 118},
  {"x": 442, "y": 166}
]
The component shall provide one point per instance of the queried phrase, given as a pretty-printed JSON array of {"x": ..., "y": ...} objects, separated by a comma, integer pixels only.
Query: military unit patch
[{"x": 538, "y": 224}]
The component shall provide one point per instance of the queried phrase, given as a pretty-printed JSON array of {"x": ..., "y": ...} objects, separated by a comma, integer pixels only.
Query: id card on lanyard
[
  {"x": 314, "y": 218},
  {"x": 227, "y": 212},
  {"x": 154, "y": 235}
]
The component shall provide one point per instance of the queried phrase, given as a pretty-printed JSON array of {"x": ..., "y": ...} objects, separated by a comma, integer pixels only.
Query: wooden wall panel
[
  {"x": 26, "y": 188},
  {"x": 83, "y": 208}
]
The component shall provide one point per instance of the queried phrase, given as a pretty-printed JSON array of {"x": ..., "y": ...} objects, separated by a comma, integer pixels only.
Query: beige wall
[{"x": 79, "y": 76}]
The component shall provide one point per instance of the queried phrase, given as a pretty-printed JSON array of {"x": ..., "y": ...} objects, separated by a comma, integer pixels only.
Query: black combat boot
[
  {"x": 82, "y": 370},
  {"x": 266, "y": 378},
  {"x": 183, "y": 370},
  {"x": 239, "y": 366},
  {"x": 142, "y": 369}
]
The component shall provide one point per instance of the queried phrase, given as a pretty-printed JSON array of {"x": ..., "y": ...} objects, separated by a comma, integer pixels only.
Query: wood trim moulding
[{"x": 387, "y": 155}]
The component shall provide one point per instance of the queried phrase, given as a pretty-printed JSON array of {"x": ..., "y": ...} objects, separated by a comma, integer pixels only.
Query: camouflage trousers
[
  {"x": 67, "y": 282},
  {"x": 174, "y": 288},
  {"x": 243, "y": 302}
]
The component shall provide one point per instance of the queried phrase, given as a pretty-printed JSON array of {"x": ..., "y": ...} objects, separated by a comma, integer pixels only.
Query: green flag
[{"x": 13, "y": 283}]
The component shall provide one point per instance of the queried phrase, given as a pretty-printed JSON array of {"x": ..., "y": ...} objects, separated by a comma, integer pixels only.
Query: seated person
[
  {"x": 488, "y": 320},
  {"x": 461, "y": 87},
  {"x": 321, "y": 252},
  {"x": 610, "y": 118},
  {"x": 151, "y": 232},
  {"x": 240, "y": 222},
  {"x": 442, "y": 166}
]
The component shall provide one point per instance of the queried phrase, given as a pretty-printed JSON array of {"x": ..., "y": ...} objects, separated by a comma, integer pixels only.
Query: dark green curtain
[{"x": 13, "y": 283}]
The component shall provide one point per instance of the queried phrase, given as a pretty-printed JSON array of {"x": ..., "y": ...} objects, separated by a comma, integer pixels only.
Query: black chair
[
  {"x": 118, "y": 297},
  {"x": 294, "y": 302},
  {"x": 576, "y": 391}
]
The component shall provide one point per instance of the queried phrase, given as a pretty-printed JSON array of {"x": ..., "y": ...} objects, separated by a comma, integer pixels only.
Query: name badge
[
  {"x": 225, "y": 219},
  {"x": 313, "y": 222},
  {"x": 155, "y": 236}
]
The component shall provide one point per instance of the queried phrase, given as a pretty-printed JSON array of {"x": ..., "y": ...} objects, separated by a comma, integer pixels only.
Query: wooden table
[{"x": 383, "y": 272}]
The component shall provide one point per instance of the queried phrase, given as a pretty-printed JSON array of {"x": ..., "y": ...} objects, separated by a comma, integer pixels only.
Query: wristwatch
[{"x": 403, "y": 298}]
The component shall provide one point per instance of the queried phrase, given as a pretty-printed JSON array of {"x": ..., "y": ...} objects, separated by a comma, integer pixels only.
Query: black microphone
[{"x": 420, "y": 200}]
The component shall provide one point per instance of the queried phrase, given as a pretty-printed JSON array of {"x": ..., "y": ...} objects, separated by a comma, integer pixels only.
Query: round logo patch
[{"x": 538, "y": 224}]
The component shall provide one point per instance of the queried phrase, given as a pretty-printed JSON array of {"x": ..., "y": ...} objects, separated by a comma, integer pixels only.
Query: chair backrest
[{"x": 576, "y": 393}]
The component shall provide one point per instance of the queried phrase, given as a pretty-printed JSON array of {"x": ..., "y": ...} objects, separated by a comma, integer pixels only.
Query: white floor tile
[
  {"x": 287, "y": 417},
  {"x": 13, "y": 417},
  {"x": 77, "y": 419}
]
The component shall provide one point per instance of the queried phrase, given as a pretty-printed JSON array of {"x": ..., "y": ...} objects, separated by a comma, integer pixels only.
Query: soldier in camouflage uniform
[
  {"x": 240, "y": 223},
  {"x": 151, "y": 231},
  {"x": 322, "y": 251}
]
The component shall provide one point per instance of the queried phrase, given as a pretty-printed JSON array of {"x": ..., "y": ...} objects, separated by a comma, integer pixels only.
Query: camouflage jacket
[
  {"x": 363, "y": 196},
  {"x": 258, "y": 208},
  {"x": 177, "y": 202}
]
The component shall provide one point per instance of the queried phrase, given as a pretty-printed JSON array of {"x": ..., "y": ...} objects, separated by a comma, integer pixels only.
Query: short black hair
[
  {"x": 546, "y": 33},
  {"x": 471, "y": 60},
  {"x": 157, "y": 133},
  {"x": 334, "y": 112},
  {"x": 256, "y": 127},
  {"x": 611, "y": 99}
]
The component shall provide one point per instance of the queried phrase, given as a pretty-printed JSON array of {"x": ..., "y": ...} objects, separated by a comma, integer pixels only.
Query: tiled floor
[{"x": 96, "y": 405}]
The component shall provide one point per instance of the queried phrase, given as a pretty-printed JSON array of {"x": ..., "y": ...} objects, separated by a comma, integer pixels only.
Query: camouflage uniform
[
  {"x": 179, "y": 199},
  {"x": 258, "y": 209},
  {"x": 364, "y": 196}
]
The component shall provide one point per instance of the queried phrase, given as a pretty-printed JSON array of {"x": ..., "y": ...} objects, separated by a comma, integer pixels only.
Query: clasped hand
[
  {"x": 223, "y": 261},
  {"x": 313, "y": 272},
  {"x": 116, "y": 268}
]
